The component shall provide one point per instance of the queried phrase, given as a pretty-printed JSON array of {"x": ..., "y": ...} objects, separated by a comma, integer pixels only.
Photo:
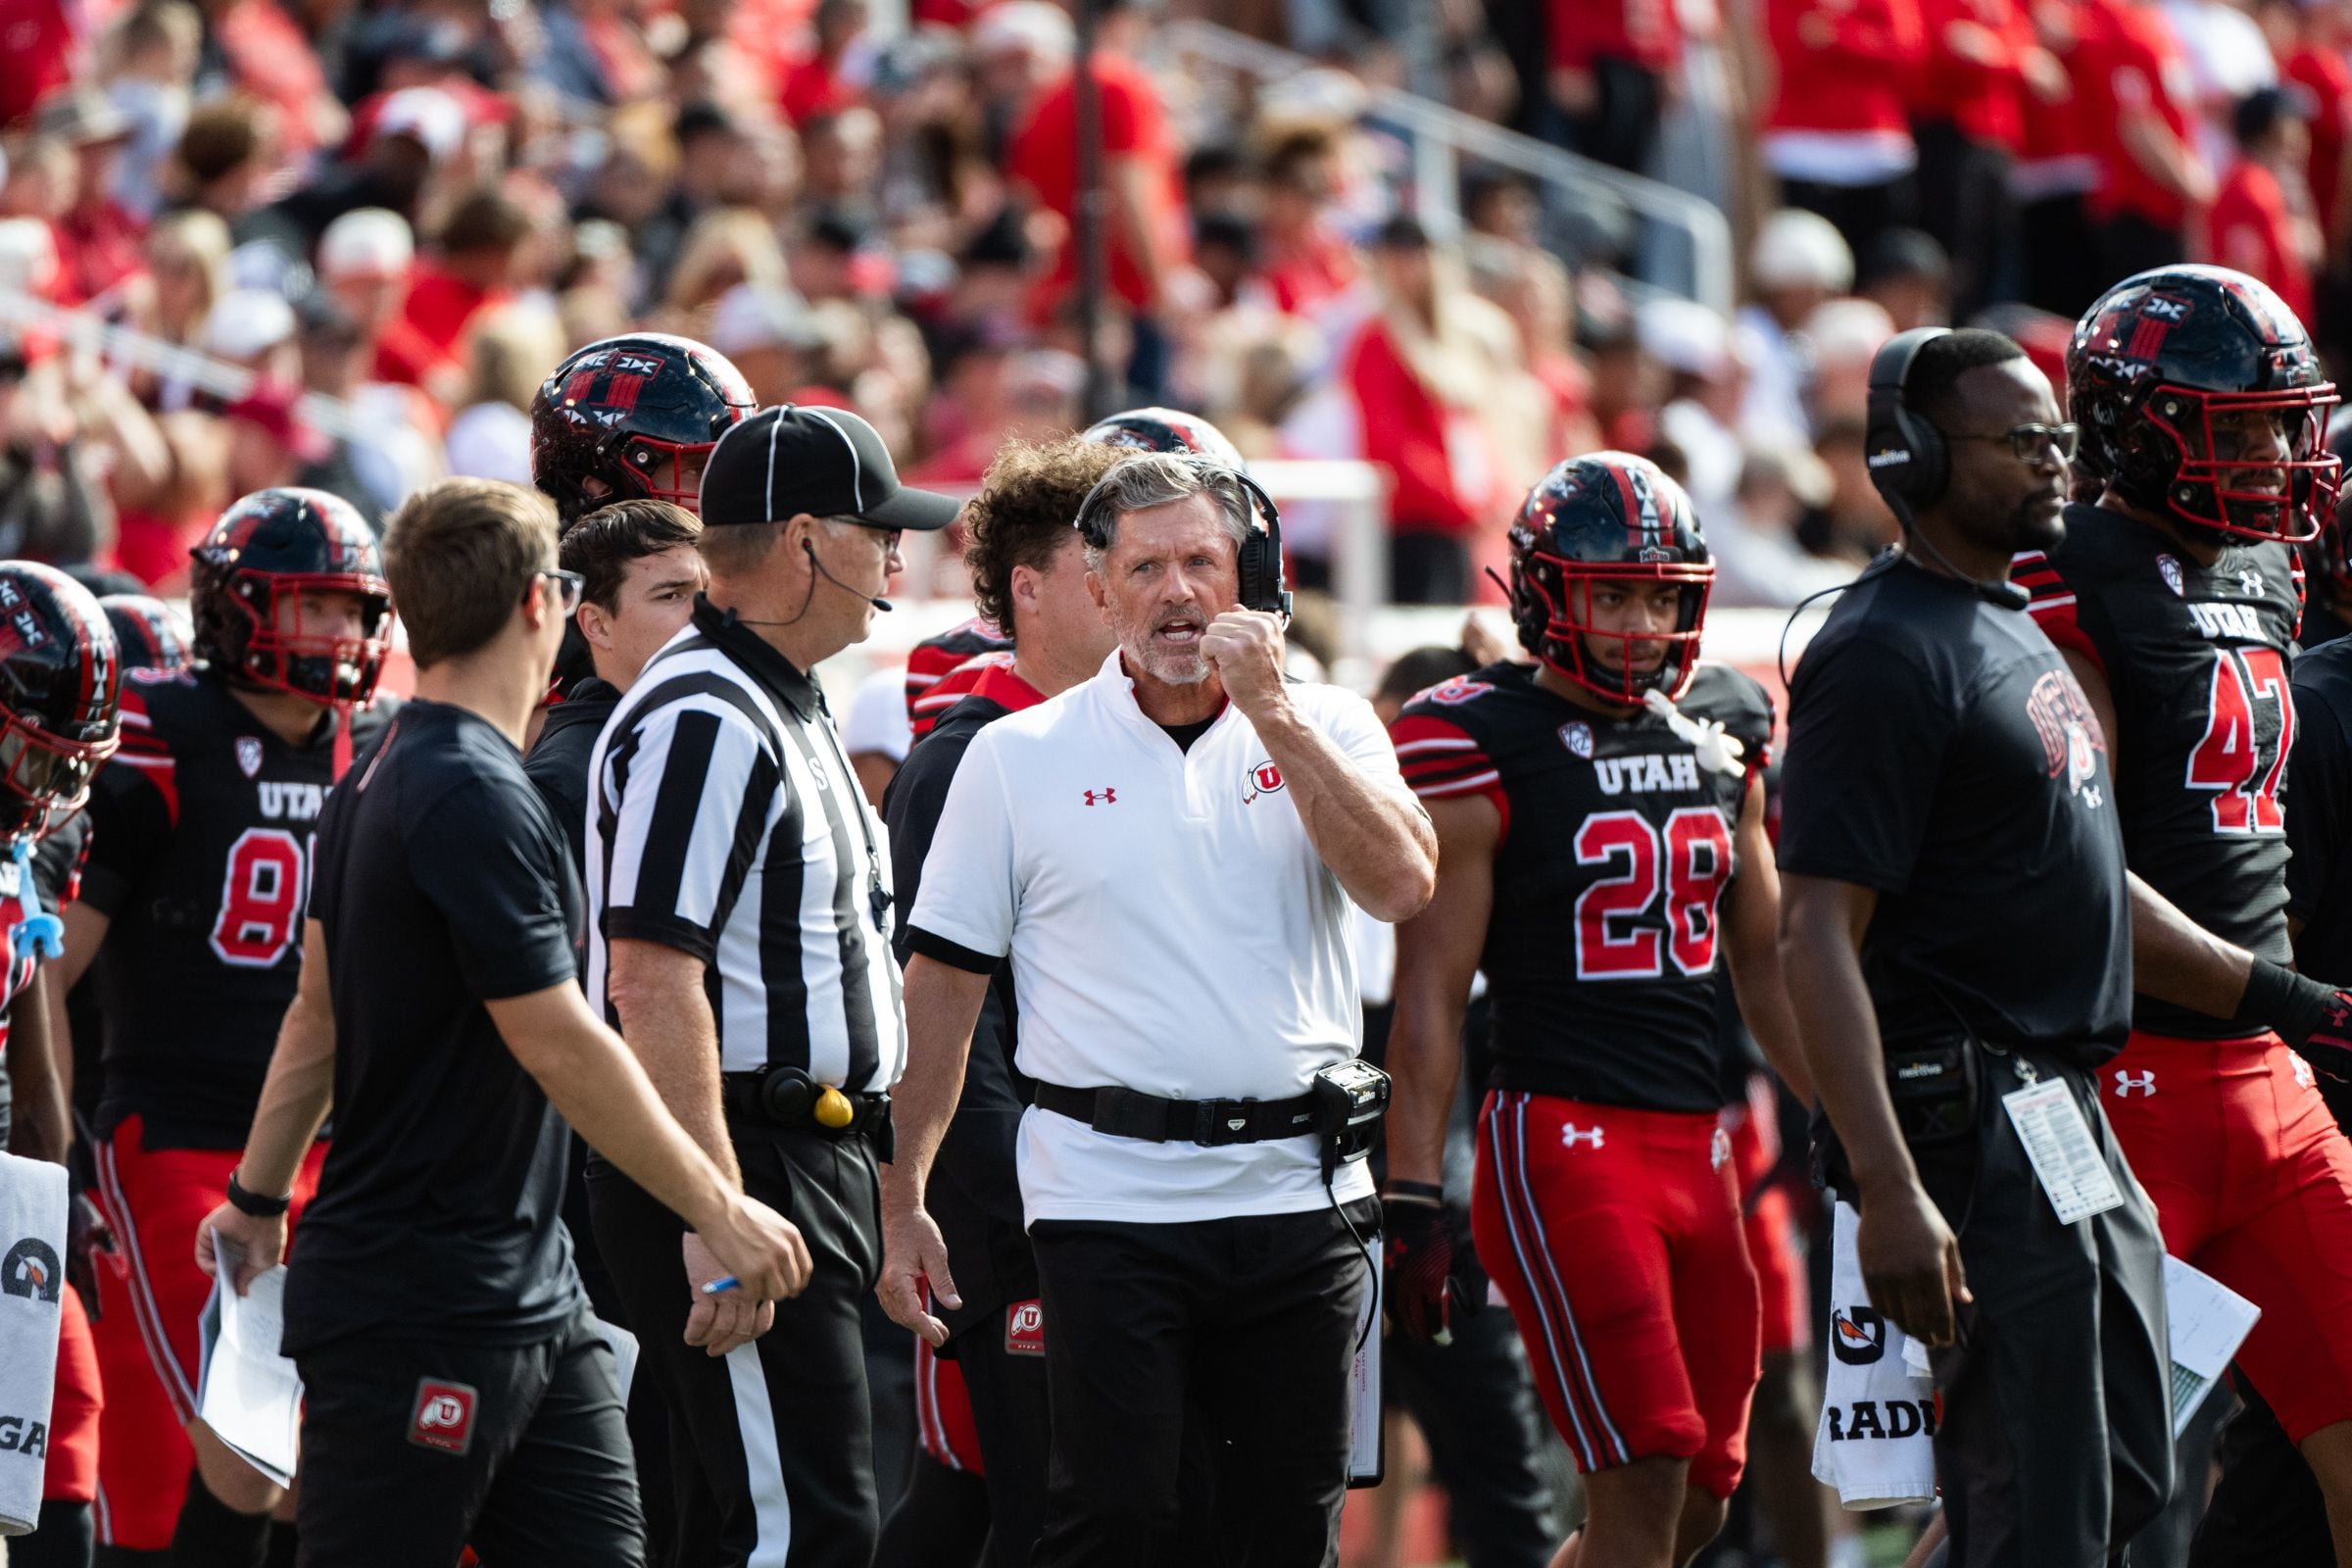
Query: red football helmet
[
  {"x": 1618, "y": 518},
  {"x": 638, "y": 414},
  {"x": 59, "y": 683},
  {"x": 286, "y": 542}
]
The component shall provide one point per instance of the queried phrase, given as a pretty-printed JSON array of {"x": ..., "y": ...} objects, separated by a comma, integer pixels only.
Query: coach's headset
[
  {"x": 1261, "y": 554},
  {"x": 1910, "y": 461}
]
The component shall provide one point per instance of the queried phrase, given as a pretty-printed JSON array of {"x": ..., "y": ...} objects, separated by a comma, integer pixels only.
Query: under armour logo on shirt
[
  {"x": 2127, "y": 1084},
  {"x": 1571, "y": 1134},
  {"x": 1106, "y": 794}
]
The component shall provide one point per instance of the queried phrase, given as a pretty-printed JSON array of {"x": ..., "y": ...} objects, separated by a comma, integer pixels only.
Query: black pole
[{"x": 1088, "y": 212}]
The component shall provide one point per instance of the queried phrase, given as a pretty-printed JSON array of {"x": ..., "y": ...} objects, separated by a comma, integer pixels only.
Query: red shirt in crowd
[
  {"x": 1303, "y": 277},
  {"x": 1404, "y": 432},
  {"x": 42, "y": 46},
  {"x": 1643, "y": 31},
  {"x": 2130, "y": 61},
  {"x": 1844, "y": 66},
  {"x": 1044, "y": 155},
  {"x": 271, "y": 58},
  {"x": 1984, "y": 97},
  {"x": 2254, "y": 231},
  {"x": 2056, "y": 132},
  {"x": 2325, "y": 74},
  {"x": 431, "y": 331},
  {"x": 98, "y": 245},
  {"x": 813, "y": 86}
]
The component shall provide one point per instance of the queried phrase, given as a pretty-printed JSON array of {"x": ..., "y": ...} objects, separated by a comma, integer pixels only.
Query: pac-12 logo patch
[
  {"x": 2170, "y": 570},
  {"x": 1264, "y": 779},
  {"x": 443, "y": 1416},
  {"x": 1025, "y": 1329},
  {"x": 249, "y": 755},
  {"x": 1577, "y": 736}
]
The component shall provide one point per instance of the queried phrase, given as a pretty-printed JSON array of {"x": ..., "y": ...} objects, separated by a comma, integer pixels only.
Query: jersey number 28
[
  {"x": 1689, "y": 862},
  {"x": 2231, "y": 760},
  {"x": 261, "y": 898}
]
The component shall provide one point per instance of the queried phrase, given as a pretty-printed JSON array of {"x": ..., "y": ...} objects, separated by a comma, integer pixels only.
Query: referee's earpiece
[{"x": 1908, "y": 460}]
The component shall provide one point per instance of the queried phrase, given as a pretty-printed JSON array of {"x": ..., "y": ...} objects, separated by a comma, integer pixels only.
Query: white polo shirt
[{"x": 1172, "y": 931}]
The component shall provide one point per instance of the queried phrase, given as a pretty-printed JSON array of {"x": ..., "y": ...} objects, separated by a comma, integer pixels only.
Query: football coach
[{"x": 1167, "y": 852}]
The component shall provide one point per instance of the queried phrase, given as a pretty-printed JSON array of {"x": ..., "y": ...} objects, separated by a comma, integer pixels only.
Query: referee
[
  {"x": 456, "y": 1390},
  {"x": 739, "y": 896},
  {"x": 1169, "y": 852}
]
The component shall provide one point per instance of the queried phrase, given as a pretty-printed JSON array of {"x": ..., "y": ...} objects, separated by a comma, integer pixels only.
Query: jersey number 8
[
  {"x": 261, "y": 898},
  {"x": 1693, "y": 858},
  {"x": 2231, "y": 758}
]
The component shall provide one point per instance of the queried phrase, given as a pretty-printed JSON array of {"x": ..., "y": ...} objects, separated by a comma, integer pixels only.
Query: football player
[
  {"x": 59, "y": 683},
  {"x": 943, "y": 670},
  {"x": 190, "y": 926},
  {"x": 1600, "y": 823},
  {"x": 2175, "y": 598},
  {"x": 633, "y": 417},
  {"x": 148, "y": 633}
]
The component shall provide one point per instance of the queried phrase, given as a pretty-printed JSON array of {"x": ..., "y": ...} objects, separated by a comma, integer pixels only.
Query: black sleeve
[
  {"x": 129, "y": 828},
  {"x": 487, "y": 856},
  {"x": 2318, "y": 773},
  {"x": 911, "y": 809},
  {"x": 59, "y": 861},
  {"x": 559, "y": 773},
  {"x": 1867, "y": 735}
]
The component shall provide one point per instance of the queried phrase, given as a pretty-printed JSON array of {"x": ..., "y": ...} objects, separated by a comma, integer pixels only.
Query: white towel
[
  {"x": 32, "y": 1282},
  {"x": 1878, "y": 1414}
]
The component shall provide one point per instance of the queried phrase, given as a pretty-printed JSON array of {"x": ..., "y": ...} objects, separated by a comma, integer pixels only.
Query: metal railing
[{"x": 1441, "y": 137}]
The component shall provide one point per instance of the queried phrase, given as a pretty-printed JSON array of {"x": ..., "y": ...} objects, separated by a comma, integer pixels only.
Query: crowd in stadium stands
[{"x": 418, "y": 207}]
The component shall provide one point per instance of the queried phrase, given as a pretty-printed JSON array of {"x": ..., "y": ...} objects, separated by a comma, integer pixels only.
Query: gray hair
[
  {"x": 739, "y": 549},
  {"x": 1156, "y": 479}
]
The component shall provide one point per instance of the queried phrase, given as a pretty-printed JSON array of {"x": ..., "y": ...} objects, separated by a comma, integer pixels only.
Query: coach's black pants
[
  {"x": 772, "y": 1445},
  {"x": 1248, "y": 1323},
  {"x": 534, "y": 1470},
  {"x": 2056, "y": 1446}
]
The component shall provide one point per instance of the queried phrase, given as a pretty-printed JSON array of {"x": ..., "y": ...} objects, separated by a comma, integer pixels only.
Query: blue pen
[{"x": 725, "y": 1282}]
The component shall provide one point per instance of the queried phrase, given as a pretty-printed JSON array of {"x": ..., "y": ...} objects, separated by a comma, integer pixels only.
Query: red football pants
[
  {"x": 1615, "y": 1236},
  {"x": 2252, "y": 1182},
  {"x": 147, "y": 1350}
]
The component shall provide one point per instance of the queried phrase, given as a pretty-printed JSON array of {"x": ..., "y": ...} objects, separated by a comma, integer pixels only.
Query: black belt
[
  {"x": 769, "y": 1097},
  {"x": 1126, "y": 1113}
]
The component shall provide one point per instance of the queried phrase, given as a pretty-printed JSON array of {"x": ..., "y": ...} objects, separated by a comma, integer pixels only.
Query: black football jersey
[
  {"x": 2197, "y": 662},
  {"x": 1600, "y": 952},
  {"x": 200, "y": 860},
  {"x": 57, "y": 864}
]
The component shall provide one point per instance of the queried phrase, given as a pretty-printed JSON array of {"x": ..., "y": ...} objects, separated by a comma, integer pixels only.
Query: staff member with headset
[
  {"x": 1961, "y": 941},
  {"x": 739, "y": 937},
  {"x": 1167, "y": 852}
]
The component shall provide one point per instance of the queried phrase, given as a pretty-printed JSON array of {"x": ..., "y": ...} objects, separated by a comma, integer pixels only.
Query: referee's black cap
[{"x": 828, "y": 463}]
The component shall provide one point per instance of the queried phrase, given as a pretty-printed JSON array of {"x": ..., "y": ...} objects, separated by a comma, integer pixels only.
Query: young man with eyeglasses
[
  {"x": 455, "y": 1389},
  {"x": 2176, "y": 599}
]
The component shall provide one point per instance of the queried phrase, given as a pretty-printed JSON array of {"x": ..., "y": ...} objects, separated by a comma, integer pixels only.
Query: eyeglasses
[
  {"x": 2030, "y": 441},
  {"x": 570, "y": 586}
]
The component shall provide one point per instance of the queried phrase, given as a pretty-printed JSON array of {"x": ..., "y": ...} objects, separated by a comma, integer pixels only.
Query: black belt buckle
[{"x": 1218, "y": 1123}]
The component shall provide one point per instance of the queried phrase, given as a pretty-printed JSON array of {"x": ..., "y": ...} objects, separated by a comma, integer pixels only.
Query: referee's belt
[
  {"x": 788, "y": 1098},
  {"x": 1127, "y": 1113}
]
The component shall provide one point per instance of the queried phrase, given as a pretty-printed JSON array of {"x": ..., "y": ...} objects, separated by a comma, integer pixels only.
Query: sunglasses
[{"x": 2030, "y": 441}]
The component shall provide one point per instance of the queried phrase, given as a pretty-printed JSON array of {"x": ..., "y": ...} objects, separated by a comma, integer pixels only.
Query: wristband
[
  {"x": 1414, "y": 1193},
  {"x": 2279, "y": 999},
  {"x": 252, "y": 1203}
]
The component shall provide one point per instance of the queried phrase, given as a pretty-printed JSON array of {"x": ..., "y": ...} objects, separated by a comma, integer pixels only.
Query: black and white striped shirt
[{"x": 724, "y": 821}]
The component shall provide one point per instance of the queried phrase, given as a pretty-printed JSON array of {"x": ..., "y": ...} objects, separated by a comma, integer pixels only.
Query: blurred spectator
[
  {"x": 2056, "y": 170},
  {"x": 1304, "y": 260},
  {"x": 840, "y": 156},
  {"x": 765, "y": 331},
  {"x": 2228, "y": 58},
  {"x": 1908, "y": 276},
  {"x": 1853, "y": 525},
  {"x": 1702, "y": 403},
  {"x": 1758, "y": 560},
  {"x": 417, "y": 130},
  {"x": 472, "y": 270},
  {"x": 224, "y": 160},
  {"x": 260, "y": 49},
  {"x": 490, "y": 438},
  {"x": 2140, "y": 102},
  {"x": 1538, "y": 294},
  {"x": 151, "y": 61},
  {"x": 1838, "y": 135},
  {"x": 1846, "y": 336},
  {"x": 1982, "y": 61},
  {"x": 1147, "y": 237},
  {"x": 185, "y": 273},
  {"x": 1420, "y": 379},
  {"x": 2311, "y": 42},
  {"x": 1800, "y": 261},
  {"x": 822, "y": 83},
  {"x": 389, "y": 455},
  {"x": 2262, "y": 222},
  {"x": 98, "y": 242},
  {"x": 705, "y": 147},
  {"x": 723, "y": 249},
  {"x": 1610, "y": 62},
  {"x": 253, "y": 330},
  {"x": 364, "y": 263},
  {"x": 45, "y": 50}
]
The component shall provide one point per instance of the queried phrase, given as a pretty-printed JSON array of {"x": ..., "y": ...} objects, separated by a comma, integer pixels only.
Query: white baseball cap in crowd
[
  {"x": 755, "y": 315},
  {"x": 247, "y": 321},
  {"x": 367, "y": 242},
  {"x": 1797, "y": 249},
  {"x": 432, "y": 116}
]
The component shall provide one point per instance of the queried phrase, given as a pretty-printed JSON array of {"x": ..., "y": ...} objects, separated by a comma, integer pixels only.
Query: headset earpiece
[
  {"x": 1262, "y": 586},
  {"x": 1909, "y": 461}
]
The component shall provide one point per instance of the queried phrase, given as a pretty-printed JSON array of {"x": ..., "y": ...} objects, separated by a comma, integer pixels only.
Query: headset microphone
[{"x": 876, "y": 600}]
